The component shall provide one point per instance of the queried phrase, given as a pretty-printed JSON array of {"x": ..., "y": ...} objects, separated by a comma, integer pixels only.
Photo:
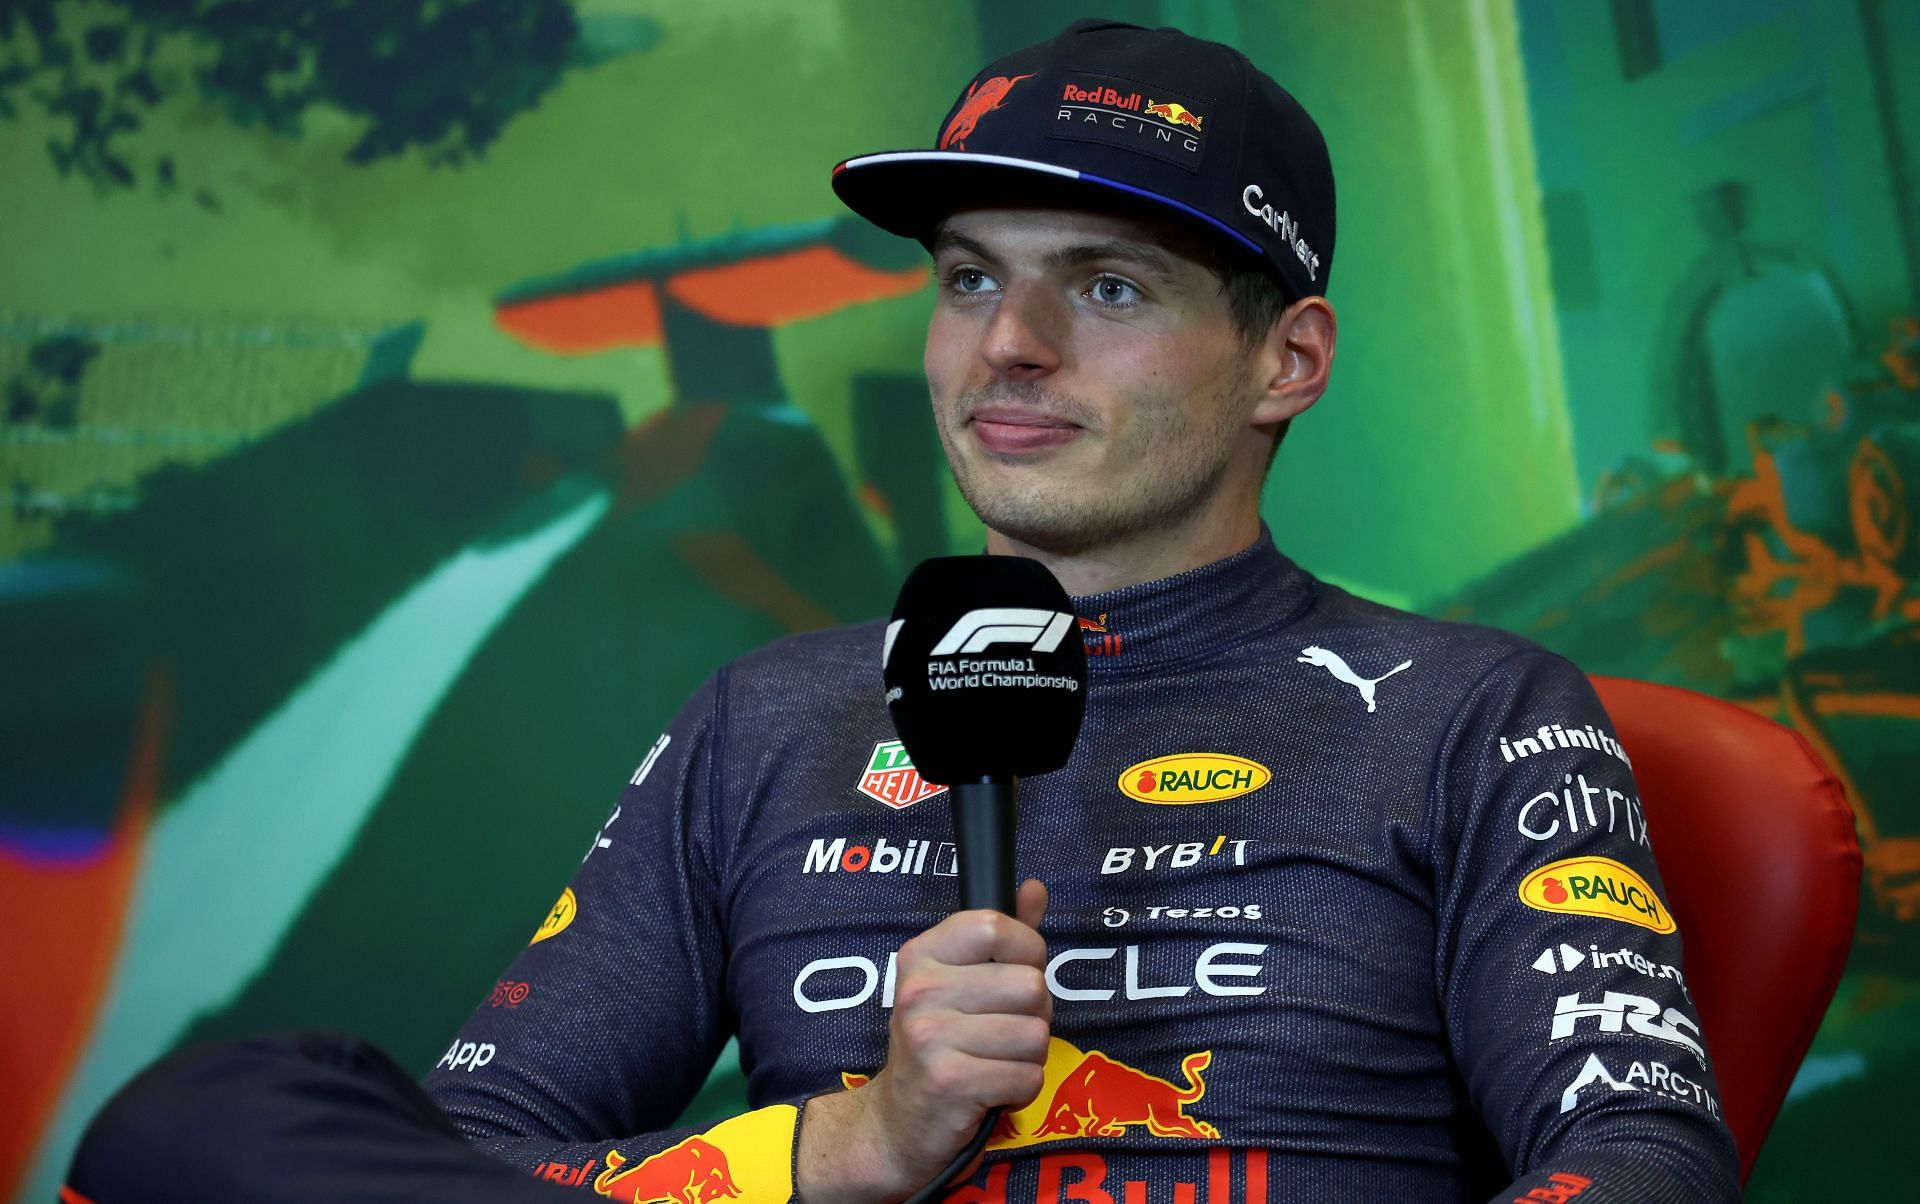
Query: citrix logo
[
  {"x": 468, "y": 1054},
  {"x": 1120, "y": 860},
  {"x": 980, "y": 629}
]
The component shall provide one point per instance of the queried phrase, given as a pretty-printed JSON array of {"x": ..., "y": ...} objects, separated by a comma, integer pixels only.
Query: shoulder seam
[{"x": 1446, "y": 739}]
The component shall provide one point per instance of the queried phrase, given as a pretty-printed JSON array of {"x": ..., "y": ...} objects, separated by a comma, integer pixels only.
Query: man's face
[{"x": 1086, "y": 376}]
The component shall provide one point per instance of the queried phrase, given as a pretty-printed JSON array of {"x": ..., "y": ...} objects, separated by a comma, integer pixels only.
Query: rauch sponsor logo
[
  {"x": 564, "y": 909},
  {"x": 1184, "y": 778},
  {"x": 915, "y": 857},
  {"x": 1595, "y": 886}
]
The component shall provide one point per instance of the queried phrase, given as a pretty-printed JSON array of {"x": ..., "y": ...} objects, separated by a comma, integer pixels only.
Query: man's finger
[{"x": 1030, "y": 904}]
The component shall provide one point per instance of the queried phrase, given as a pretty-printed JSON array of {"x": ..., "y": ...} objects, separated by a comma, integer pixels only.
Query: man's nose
[{"x": 1027, "y": 332}]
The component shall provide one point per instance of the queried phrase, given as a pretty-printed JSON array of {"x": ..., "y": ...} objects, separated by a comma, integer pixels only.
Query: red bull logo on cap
[
  {"x": 1173, "y": 113},
  {"x": 982, "y": 98}
]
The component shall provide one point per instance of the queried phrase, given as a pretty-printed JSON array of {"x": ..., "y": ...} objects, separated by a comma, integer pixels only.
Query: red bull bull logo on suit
[
  {"x": 693, "y": 1172},
  {"x": 1088, "y": 1093}
]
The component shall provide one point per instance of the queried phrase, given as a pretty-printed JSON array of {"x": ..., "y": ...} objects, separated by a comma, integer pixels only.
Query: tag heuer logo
[{"x": 891, "y": 778}]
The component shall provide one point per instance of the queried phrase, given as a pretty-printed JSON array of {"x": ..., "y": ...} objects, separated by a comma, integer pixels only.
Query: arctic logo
[
  {"x": 1331, "y": 662},
  {"x": 978, "y": 630},
  {"x": 1282, "y": 223},
  {"x": 1641, "y": 1076}
]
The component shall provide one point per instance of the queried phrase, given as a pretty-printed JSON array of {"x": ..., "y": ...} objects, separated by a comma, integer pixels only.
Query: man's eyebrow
[
  {"x": 1124, "y": 250},
  {"x": 951, "y": 240}
]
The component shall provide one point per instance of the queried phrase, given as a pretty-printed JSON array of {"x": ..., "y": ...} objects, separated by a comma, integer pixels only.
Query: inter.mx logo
[{"x": 890, "y": 777}]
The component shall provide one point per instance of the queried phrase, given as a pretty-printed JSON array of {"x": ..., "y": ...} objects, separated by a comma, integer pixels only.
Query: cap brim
[{"x": 909, "y": 192}]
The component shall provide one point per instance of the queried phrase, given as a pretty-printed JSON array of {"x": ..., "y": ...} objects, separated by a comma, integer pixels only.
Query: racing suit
[{"x": 1347, "y": 904}]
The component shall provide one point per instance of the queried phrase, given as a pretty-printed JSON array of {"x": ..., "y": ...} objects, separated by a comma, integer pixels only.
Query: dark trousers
[{"x": 307, "y": 1117}]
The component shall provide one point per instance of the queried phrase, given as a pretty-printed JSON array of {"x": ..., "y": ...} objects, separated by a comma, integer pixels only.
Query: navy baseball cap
[{"x": 1187, "y": 125}]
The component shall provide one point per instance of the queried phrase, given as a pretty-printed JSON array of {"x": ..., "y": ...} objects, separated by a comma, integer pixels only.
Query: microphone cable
[{"x": 949, "y": 1178}]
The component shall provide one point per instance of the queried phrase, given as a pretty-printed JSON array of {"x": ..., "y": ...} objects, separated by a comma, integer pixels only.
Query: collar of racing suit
[{"x": 1196, "y": 614}]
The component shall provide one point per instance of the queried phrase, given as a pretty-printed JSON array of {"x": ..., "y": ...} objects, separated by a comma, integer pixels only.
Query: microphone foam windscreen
[{"x": 985, "y": 670}]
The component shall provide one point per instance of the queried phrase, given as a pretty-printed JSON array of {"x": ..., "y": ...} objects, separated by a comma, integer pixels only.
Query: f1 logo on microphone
[{"x": 977, "y": 630}]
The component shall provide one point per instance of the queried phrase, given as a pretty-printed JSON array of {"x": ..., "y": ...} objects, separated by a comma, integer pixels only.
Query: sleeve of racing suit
[
  {"x": 606, "y": 1024},
  {"x": 1558, "y": 966}
]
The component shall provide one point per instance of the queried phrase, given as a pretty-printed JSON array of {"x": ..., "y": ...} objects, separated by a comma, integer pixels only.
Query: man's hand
[{"x": 971, "y": 1017}]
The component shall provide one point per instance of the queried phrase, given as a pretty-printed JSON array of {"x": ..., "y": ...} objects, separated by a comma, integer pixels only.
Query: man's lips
[{"x": 1007, "y": 431}]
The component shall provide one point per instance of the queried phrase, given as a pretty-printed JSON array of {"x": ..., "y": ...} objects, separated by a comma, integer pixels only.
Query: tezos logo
[
  {"x": 1595, "y": 886},
  {"x": 1120, "y": 917},
  {"x": 1193, "y": 778},
  {"x": 509, "y": 994},
  {"x": 890, "y": 777},
  {"x": 564, "y": 909}
]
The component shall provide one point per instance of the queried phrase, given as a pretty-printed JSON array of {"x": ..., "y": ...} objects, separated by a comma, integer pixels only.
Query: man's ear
[{"x": 1296, "y": 359}]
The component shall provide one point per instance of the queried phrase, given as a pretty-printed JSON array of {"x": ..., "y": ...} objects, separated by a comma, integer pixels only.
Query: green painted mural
[{"x": 402, "y": 408}]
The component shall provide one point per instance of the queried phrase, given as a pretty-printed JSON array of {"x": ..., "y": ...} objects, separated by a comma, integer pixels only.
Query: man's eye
[
  {"x": 970, "y": 280},
  {"x": 1112, "y": 290}
]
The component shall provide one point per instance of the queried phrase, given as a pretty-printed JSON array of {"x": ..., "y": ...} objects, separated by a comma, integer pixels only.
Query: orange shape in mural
[
  {"x": 69, "y": 919},
  {"x": 775, "y": 289},
  {"x": 619, "y": 315}
]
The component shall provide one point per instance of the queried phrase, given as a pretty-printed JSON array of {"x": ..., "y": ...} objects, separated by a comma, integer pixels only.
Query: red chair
[{"x": 1756, "y": 847}]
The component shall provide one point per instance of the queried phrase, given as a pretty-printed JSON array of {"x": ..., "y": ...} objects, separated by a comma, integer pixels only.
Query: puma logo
[{"x": 1331, "y": 662}]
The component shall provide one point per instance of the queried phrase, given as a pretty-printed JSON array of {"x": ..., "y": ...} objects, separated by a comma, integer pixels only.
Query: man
[
  {"x": 1329, "y": 975},
  {"x": 1331, "y": 902}
]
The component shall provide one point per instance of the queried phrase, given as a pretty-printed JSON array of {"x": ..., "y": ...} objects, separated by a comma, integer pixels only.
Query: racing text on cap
[{"x": 1168, "y": 125}]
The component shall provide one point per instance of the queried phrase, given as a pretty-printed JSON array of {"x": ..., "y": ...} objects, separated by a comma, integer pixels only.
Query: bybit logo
[{"x": 1171, "y": 856}]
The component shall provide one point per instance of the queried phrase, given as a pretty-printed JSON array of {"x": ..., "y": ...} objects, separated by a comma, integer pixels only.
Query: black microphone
[{"x": 986, "y": 681}]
